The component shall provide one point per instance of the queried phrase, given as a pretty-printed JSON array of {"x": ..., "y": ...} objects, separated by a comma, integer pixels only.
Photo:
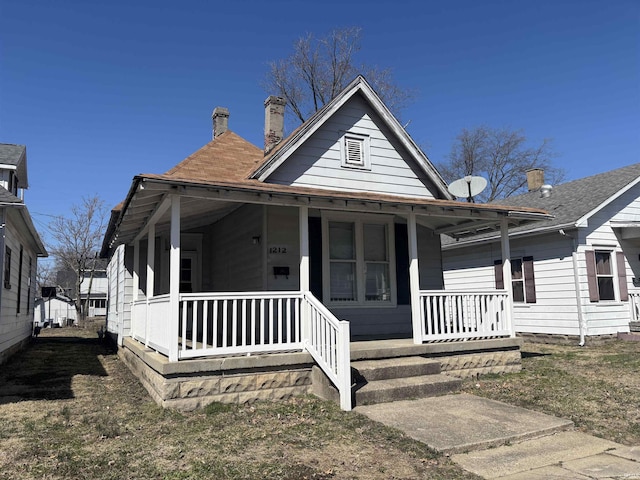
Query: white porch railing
[
  {"x": 239, "y": 323},
  {"x": 328, "y": 342},
  {"x": 460, "y": 315},
  {"x": 634, "y": 304},
  {"x": 150, "y": 322}
]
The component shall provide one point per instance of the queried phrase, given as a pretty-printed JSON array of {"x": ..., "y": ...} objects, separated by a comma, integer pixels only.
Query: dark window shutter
[
  {"x": 592, "y": 280},
  {"x": 497, "y": 270},
  {"x": 529, "y": 280},
  {"x": 622, "y": 277}
]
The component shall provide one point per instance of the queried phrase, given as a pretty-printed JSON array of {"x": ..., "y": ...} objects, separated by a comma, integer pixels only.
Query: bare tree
[
  {"x": 77, "y": 240},
  {"x": 320, "y": 68},
  {"x": 502, "y": 156}
]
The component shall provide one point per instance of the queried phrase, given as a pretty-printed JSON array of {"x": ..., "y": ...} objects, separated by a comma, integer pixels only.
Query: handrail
[{"x": 327, "y": 340}]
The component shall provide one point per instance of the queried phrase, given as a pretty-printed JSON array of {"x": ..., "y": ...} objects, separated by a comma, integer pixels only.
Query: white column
[
  {"x": 414, "y": 279},
  {"x": 151, "y": 255},
  {"x": 136, "y": 270},
  {"x": 174, "y": 280},
  {"x": 304, "y": 248},
  {"x": 506, "y": 270}
]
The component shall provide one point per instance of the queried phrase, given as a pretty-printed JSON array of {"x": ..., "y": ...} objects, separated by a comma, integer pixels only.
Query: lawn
[{"x": 70, "y": 409}]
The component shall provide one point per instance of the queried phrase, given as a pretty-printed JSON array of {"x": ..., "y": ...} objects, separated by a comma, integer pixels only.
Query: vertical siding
[
  {"x": 317, "y": 163},
  {"x": 236, "y": 261}
]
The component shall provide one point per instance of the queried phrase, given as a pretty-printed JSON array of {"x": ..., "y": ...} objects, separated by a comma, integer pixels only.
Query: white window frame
[
  {"x": 365, "y": 158},
  {"x": 359, "y": 220}
]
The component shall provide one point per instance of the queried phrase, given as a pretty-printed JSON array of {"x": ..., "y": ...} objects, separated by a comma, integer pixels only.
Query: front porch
[{"x": 193, "y": 383}]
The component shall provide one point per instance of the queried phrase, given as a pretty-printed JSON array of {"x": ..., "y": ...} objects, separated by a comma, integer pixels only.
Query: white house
[
  {"x": 58, "y": 310},
  {"x": 576, "y": 275},
  {"x": 326, "y": 237},
  {"x": 20, "y": 247}
]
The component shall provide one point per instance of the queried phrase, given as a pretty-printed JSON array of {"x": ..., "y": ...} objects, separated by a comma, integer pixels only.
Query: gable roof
[
  {"x": 14, "y": 157},
  {"x": 358, "y": 86},
  {"x": 232, "y": 170},
  {"x": 570, "y": 203}
]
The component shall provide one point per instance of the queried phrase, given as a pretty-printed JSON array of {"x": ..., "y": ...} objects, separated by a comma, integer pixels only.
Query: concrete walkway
[{"x": 499, "y": 441}]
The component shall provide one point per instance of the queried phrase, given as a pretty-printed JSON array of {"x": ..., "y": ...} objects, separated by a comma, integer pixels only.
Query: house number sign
[{"x": 278, "y": 249}]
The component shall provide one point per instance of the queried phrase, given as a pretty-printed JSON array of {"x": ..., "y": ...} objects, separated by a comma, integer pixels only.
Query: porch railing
[
  {"x": 634, "y": 304},
  {"x": 327, "y": 340},
  {"x": 150, "y": 322},
  {"x": 239, "y": 323},
  {"x": 459, "y": 315}
]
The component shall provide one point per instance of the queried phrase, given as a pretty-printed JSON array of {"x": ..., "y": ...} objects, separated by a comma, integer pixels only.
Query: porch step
[
  {"x": 405, "y": 388},
  {"x": 634, "y": 326},
  {"x": 389, "y": 379},
  {"x": 384, "y": 369}
]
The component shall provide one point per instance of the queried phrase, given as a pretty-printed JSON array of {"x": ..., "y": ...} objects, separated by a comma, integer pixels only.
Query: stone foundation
[
  {"x": 190, "y": 390},
  {"x": 473, "y": 365}
]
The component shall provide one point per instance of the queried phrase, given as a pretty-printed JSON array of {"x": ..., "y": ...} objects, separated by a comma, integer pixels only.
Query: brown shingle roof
[{"x": 228, "y": 158}]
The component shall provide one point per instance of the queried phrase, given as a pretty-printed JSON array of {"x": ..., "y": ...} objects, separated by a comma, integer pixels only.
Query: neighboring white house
[
  {"x": 20, "y": 247},
  {"x": 241, "y": 251},
  {"x": 58, "y": 311},
  {"x": 97, "y": 306},
  {"x": 576, "y": 275}
]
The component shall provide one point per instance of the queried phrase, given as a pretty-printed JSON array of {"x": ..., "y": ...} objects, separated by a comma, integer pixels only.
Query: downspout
[{"x": 576, "y": 281}]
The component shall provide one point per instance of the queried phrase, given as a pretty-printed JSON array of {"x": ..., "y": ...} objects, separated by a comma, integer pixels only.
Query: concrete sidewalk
[{"x": 499, "y": 441}]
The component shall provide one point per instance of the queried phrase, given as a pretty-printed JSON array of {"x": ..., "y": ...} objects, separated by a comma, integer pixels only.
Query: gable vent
[{"x": 354, "y": 150}]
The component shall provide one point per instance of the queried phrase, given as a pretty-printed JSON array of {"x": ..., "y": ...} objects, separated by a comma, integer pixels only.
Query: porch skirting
[{"x": 192, "y": 384}]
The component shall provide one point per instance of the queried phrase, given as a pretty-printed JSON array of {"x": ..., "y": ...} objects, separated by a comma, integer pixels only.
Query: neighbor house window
[
  {"x": 359, "y": 263},
  {"x": 355, "y": 151},
  {"x": 7, "y": 267},
  {"x": 603, "y": 267},
  {"x": 522, "y": 279}
]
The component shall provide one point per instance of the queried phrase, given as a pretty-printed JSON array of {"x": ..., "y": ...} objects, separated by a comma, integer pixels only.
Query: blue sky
[{"x": 102, "y": 91}]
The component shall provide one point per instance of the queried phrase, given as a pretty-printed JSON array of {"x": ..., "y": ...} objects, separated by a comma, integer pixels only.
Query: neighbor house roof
[
  {"x": 570, "y": 203},
  {"x": 14, "y": 157}
]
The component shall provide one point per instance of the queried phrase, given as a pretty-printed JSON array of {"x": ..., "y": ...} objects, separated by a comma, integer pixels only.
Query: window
[
  {"x": 19, "y": 301},
  {"x": 359, "y": 264},
  {"x": 522, "y": 279},
  {"x": 355, "y": 151},
  {"x": 7, "y": 267},
  {"x": 602, "y": 271}
]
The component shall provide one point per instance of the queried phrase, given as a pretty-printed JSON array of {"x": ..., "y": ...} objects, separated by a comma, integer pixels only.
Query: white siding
[
  {"x": 16, "y": 326},
  {"x": 283, "y": 247},
  {"x": 555, "y": 310},
  {"x": 120, "y": 278},
  {"x": 317, "y": 163}
]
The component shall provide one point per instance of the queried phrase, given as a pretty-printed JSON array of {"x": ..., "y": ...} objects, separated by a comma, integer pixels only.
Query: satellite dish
[{"x": 467, "y": 187}]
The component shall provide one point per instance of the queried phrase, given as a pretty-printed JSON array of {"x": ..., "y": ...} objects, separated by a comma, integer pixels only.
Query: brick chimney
[
  {"x": 220, "y": 119},
  {"x": 535, "y": 179},
  {"x": 273, "y": 122}
]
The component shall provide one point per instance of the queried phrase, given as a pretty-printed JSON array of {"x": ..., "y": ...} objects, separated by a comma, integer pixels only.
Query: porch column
[
  {"x": 136, "y": 270},
  {"x": 414, "y": 279},
  {"x": 304, "y": 248},
  {"x": 174, "y": 280},
  {"x": 506, "y": 270},
  {"x": 151, "y": 256},
  {"x": 303, "y": 220}
]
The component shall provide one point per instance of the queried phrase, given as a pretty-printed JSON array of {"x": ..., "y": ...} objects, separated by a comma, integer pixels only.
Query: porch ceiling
[{"x": 204, "y": 203}]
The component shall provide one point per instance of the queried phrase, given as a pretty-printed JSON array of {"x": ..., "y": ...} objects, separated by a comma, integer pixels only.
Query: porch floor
[{"x": 360, "y": 350}]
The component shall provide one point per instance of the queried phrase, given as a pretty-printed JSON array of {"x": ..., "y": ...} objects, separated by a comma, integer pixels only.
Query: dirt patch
[{"x": 70, "y": 409}]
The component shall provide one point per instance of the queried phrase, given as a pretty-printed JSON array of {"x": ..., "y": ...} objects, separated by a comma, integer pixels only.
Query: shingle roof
[
  {"x": 11, "y": 154},
  {"x": 569, "y": 201},
  {"x": 227, "y": 158}
]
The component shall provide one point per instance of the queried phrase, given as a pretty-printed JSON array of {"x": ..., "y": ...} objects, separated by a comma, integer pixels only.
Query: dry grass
[
  {"x": 597, "y": 386},
  {"x": 70, "y": 409}
]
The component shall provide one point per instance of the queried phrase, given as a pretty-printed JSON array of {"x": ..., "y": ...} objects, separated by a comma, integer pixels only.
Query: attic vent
[{"x": 355, "y": 152}]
